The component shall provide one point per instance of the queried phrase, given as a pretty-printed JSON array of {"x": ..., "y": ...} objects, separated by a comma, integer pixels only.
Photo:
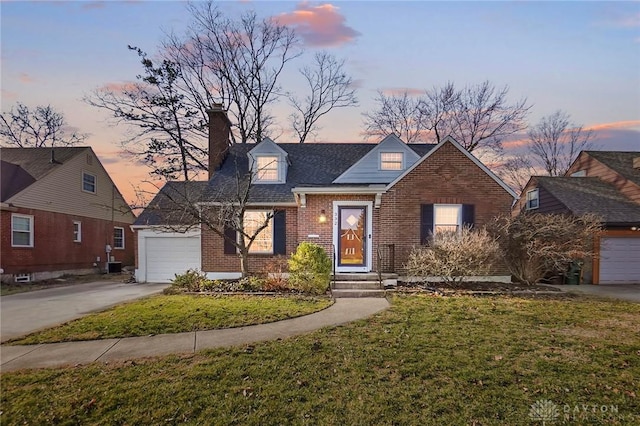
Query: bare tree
[
  {"x": 246, "y": 56},
  {"x": 516, "y": 171},
  {"x": 555, "y": 142},
  {"x": 221, "y": 208},
  {"x": 400, "y": 115},
  {"x": 483, "y": 116},
  {"x": 330, "y": 87},
  {"x": 535, "y": 245},
  {"x": 168, "y": 136},
  {"x": 477, "y": 116},
  {"x": 39, "y": 127},
  {"x": 219, "y": 60}
]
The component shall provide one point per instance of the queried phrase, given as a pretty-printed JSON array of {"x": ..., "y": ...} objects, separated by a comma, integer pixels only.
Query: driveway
[
  {"x": 24, "y": 313},
  {"x": 630, "y": 292}
]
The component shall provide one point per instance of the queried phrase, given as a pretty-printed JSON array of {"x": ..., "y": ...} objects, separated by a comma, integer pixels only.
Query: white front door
[{"x": 352, "y": 232}]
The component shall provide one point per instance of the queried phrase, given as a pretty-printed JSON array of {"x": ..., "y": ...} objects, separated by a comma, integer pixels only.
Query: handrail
[
  {"x": 379, "y": 266},
  {"x": 333, "y": 249}
]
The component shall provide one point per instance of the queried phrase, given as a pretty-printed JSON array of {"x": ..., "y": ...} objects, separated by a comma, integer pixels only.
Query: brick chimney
[{"x": 219, "y": 132}]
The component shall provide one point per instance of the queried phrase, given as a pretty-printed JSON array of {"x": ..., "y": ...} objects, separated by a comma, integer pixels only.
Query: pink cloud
[
  {"x": 630, "y": 124},
  {"x": 119, "y": 87},
  {"x": 90, "y": 5},
  {"x": 8, "y": 95},
  {"x": 396, "y": 91},
  {"x": 25, "y": 78},
  {"x": 631, "y": 21},
  {"x": 319, "y": 26}
]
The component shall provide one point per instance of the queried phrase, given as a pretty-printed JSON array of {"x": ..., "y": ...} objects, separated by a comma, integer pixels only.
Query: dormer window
[
  {"x": 267, "y": 169},
  {"x": 391, "y": 161}
]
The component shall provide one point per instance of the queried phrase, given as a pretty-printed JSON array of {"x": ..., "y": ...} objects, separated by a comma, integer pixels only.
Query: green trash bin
[{"x": 574, "y": 273}]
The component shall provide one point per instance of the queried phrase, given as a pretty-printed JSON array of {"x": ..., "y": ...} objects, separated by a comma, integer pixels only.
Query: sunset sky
[{"x": 580, "y": 57}]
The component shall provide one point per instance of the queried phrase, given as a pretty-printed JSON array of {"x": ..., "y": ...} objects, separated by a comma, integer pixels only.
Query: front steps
[{"x": 361, "y": 284}]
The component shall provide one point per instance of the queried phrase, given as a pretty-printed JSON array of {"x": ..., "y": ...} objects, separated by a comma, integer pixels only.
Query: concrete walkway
[
  {"x": 74, "y": 353},
  {"x": 628, "y": 292}
]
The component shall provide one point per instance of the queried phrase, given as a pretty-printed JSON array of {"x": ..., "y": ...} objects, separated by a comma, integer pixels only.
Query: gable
[
  {"x": 449, "y": 171},
  {"x": 60, "y": 191},
  {"x": 368, "y": 168},
  {"x": 268, "y": 155}
]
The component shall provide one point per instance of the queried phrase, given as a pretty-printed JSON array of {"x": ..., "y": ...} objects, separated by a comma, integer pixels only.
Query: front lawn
[
  {"x": 178, "y": 313},
  {"x": 425, "y": 361}
]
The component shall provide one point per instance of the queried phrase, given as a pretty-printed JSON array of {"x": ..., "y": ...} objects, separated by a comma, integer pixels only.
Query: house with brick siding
[
  {"x": 367, "y": 204},
  {"x": 606, "y": 184},
  {"x": 60, "y": 214}
]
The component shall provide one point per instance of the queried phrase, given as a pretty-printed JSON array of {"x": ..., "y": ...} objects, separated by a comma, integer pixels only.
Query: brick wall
[
  {"x": 54, "y": 248},
  {"x": 446, "y": 177},
  {"x": 214, "y": 259}
]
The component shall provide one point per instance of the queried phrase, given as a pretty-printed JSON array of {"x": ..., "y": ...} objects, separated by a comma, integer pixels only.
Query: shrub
[
  {"x": 192, "y": 280},
  {"x": 534, "y": 245},
  {"x": 275, "y": 274},
  {"x": 453, "y": 256},
  {"x": 309, "y": 269}
]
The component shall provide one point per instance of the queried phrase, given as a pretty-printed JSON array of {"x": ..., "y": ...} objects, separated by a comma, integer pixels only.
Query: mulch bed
[{"x": 476, "y": 288}]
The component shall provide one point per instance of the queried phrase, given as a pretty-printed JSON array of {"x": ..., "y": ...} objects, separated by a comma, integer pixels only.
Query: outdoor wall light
[{"x": 323, "y": 216}]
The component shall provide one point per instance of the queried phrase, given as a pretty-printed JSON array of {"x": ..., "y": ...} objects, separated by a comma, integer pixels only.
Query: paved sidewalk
[
  {"x": 74, "y": 353},
  {"x": 629, "y": 292}
]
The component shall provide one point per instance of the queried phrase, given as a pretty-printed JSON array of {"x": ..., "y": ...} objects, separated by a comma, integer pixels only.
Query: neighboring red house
[
  {"x": 605, "y": 183},
  {"x": 362, "y": 202},
  {"x": 60, "y": 210}
]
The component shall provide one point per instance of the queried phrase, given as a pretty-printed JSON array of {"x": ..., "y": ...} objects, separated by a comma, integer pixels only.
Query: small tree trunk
[{"x": 244, "y": 264}]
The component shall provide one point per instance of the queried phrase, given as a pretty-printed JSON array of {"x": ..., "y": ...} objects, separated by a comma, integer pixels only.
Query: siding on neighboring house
[
  {"x": 61, "y": 192},
  {"x": 547, "y": 202},
  {"x": 595, "y": 168}
]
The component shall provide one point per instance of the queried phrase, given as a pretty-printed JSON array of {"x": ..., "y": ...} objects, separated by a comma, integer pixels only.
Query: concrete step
[
  {"x": 357, "y": 293},
  {"x": 356, "y": 285},
  {"x": 369, "y": 276}
]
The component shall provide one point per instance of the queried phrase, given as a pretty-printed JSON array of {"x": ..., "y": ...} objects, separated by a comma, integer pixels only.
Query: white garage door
[
  {"x": 619, "y": 260},
  {"x": 167, "y": 256}
]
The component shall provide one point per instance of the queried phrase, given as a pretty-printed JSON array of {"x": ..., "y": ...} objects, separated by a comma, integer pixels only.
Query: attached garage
[
  {"x": 619, "y": 260},
  {"x": 162, "y": 255}
]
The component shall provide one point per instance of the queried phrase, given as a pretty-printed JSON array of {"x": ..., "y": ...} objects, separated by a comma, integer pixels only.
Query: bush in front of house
[
  {"x": 309, "y": 269},
  {"x": 453, "y": 256},
  {"x": 192, "y": 280},
  {"x": 532, "y": 245}
]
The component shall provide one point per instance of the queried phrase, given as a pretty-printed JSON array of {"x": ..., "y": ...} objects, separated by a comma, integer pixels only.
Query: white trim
[
  {"x": 402, "y": 161},
  {"x": 458, "y": 219},
  {"x": 224, "y": 275},
  {"x": 368, "y": 235},
  {"x": 31, "y": 230},
  {"x": 95, "y": 182},
  {"x": 114, "y": 238},
  {"x": 325, "y": 190},
  {"x": 526, "y": 199},
  {"x": 156, "y": 232},
  {"x": 255, "y": 204},
  {"x": 467, "y": 154},
  {"x": 273, "y": 235},
  {"x": 78, "y": 238}
]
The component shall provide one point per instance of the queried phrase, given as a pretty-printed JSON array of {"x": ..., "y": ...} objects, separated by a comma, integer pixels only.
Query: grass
[
  {"x": 425, "y": 361},
  {"x": 178, "y": 313}
]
